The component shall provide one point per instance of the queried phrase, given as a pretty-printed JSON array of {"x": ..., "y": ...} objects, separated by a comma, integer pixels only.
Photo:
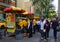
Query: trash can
[{"x": 19, "y": 35}]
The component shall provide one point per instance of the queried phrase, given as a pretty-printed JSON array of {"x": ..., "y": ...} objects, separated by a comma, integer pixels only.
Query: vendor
[{"x": 34, "y": 25}]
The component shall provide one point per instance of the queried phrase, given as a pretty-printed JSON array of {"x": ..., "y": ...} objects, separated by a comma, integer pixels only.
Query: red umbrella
[
  {"x": 30, "y": 13},
  {"x": 21, "y": 11},
  {"x": 14, "y": 9},
  {"x": 10, "y": 9},
  {"x": 7, "y": 10}
]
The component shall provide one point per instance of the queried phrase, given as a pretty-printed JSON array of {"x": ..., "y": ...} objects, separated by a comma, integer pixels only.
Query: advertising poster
[{"x": 10, "y": 18}]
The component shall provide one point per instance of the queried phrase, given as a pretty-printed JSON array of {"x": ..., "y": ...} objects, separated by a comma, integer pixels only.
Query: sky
[{"x": 55, "y": 3}]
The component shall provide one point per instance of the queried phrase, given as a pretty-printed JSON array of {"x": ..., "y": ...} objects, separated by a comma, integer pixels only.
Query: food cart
[
  {"x": 11, "y": 13},
  {"x": 11, "y": 17}
]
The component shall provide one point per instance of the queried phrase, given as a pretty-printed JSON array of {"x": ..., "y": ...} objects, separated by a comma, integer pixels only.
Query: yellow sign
[{"x": 10, "y": 19}]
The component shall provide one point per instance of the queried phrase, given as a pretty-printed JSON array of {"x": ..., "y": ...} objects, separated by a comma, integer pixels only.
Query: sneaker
[{"x": 45, "y": 39}]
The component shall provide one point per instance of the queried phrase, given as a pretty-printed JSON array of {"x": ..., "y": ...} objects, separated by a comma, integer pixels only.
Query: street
[
  {"x": 35, "y": 38},
  {"x": 20, "y": 18}
]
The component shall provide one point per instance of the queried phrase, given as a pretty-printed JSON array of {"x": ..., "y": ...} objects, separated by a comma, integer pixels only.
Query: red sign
[{"x": 12, "y": 19}]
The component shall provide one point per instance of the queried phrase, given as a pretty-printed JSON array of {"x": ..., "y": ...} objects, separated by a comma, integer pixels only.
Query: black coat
[
  {"x": 30, "y": 27},
  {"x": 54, "y": 24},
  {"x": 47, "y": 26}
]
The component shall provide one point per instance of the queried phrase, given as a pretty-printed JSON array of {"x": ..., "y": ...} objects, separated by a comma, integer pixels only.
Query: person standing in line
[
  {"x": 47, "y": 29},
  {"x": 34, "y": 26},
  {"x": 54, "y": 26},
  {"x": 38, "y": 25},
  {"x": 30, "y": 28},
  {"x": 42, "y": 23}
]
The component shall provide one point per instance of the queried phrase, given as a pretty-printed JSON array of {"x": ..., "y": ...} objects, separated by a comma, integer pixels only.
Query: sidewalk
[{"x": 35, "y": 38}]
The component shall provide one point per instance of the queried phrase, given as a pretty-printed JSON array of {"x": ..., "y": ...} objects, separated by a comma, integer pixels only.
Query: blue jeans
[{"x": 42, "y": 33}]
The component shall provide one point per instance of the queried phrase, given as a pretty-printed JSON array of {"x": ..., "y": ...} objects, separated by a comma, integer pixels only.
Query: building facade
[
  {"x": 3, "y": 4},
  {"x": 6, "y": 3},
  {"x": 25, "y": 4}
]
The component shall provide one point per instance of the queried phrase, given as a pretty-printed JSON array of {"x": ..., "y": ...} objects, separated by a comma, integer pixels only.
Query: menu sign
[{"x": 10, "y": 18}]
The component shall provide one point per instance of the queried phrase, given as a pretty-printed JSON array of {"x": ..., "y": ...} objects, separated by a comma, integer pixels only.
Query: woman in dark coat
[
  {"x": 47, "y": 29},
  {"x": 30, "y": 28}
]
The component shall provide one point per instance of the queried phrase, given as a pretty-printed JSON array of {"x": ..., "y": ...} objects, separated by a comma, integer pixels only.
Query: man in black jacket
[{"x": 54, "y": 26}]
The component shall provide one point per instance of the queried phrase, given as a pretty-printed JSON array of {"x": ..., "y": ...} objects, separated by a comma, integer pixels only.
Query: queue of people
[
  {"x": 45, "y": 26},
  {"x": 41, "y": 25}
]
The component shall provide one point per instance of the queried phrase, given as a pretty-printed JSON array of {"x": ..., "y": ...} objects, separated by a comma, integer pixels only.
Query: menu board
[{"x": 10, "y": 18}]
